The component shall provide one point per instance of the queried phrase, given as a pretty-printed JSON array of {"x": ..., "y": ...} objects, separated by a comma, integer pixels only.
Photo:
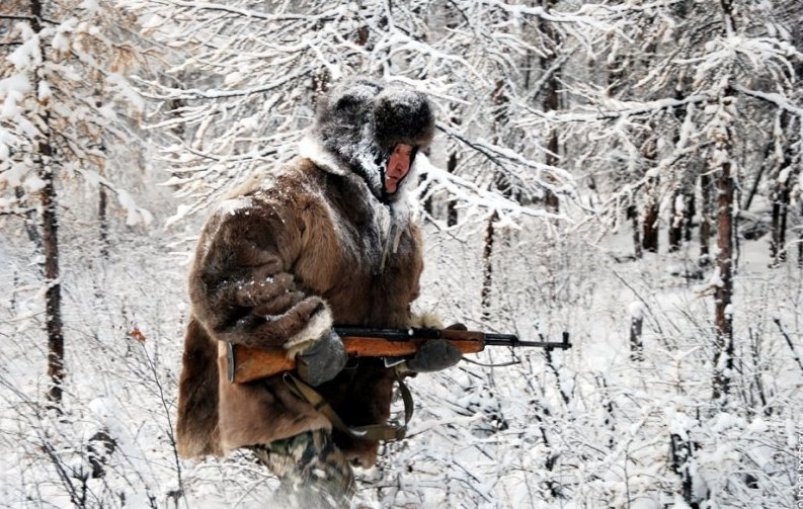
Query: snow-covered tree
[{"x": 65, "y": 107}]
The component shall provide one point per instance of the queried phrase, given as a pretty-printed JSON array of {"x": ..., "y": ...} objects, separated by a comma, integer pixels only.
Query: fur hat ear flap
[
  {"x": 402, "y": 115},
  {"x": 348, "y": 106}
]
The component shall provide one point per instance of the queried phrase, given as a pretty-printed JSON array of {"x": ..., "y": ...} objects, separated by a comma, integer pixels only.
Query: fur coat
[{"x": 293, "y": 253}]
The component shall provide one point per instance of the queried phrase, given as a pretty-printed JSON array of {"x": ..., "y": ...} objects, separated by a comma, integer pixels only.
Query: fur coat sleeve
[
  {"x": 242, "y": 287},
  {"x": 243, "y": 290}
]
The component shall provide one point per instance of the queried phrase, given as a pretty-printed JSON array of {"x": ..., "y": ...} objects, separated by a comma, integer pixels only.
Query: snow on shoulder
[{"x": 233, "y": 205}]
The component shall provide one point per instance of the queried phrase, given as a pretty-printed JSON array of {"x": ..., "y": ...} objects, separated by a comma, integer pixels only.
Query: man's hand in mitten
[
  {"x": 435, "y": 355},
  {"x": 322, "y": 360}
]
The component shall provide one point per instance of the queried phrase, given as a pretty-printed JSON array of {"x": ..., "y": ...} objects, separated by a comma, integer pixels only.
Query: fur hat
[
  {"x": 344, "y": 113},
  {"x": 364, "y": 114},
  {"x": 402, "y": 115},
  {"x": 361, "y": 120}
]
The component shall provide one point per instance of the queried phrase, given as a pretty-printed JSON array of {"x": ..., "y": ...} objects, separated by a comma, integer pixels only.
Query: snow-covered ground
[{"x": 589, "y": 427}]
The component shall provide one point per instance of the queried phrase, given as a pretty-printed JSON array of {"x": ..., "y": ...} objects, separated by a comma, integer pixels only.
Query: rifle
[{"x": 246, "y": 364}]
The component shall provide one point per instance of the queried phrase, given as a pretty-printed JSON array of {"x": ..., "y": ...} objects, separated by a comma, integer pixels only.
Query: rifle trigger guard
[{"x": 392, "y": 361}]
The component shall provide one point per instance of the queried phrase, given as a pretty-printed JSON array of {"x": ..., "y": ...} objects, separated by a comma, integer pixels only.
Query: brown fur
[{"x": 301, "y": 250}]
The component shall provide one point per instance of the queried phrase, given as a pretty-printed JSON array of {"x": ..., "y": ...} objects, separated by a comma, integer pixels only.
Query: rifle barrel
[
  {"x": 537, "y": 344},
  {"x": 491, "y": 339},
  {"x": 512, "y": 340}
]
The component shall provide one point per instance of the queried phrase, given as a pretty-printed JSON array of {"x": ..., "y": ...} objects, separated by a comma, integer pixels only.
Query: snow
[
  {"x": 125, "y": 90},
  {"x": 588, "y": 427},
  {"x": 44, "y": 91},
  {"x": 135, "y": 213},
  {"x": 18, "y": 83},
  {"x": 27, "y": 54},
  {"x": 233, "y": 206},
  {"x": 725, "y": 421},
  {"x": 10, "y": 109},
  {"x": 636, "y": 310},
  {"x": 716, "y": 278},
  {"x": 181, "y": 212},
  {"x": 14, "y": 175},
  {"x": 5, "y": 150},
  {"x": 61, "y": 41},
  {"x": 90, "y": 5},
  {"x": 783, "y": 175},
  {"x": 33, "y": 184}
]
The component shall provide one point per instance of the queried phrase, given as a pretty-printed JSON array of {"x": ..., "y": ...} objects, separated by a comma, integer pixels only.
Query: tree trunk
[
  {"x": 705, "y": 218},
  {"x": 487, "y": 268},
  {"x": 505, "y": 187},
  {"x": 678, "y": 211},
  {"x": 30, "y": 221},
  {"x": 675, "y": 234},
  {"x": 780, "y": 206},
  {"x": 649, "y": 240},
  {"x": 551, "y": 101},
  {"x": 451, "y": 207},
  {"x": 680, "y": 227},
  {"x": 780, "y": 190},
  {"x": 104, "y": 222},
  {"x": 636, "y": 344},
  {"x": 632, "y": 214},
  {"x": 50, "y": 242},
  {"x": 688, "y": 214},
  {"x": 681, "y": 452},
  {"x": 757, "y": 180},
  {"x": 723, "y": 316},
  {"x": 552, "y": 202},
  {"x": 726, "y": 235},
  {"x": 800, "y": 243},
  {"x": 784, "y": 215}
]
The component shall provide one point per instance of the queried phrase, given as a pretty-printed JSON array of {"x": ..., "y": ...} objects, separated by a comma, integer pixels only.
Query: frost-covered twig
[
  {"x": 788, "y": 342},
  {"x": 169, "y": 430},
  {"x": 643, "y": 301}
]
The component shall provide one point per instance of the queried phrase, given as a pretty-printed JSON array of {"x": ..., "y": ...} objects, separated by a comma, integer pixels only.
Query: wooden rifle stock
[{"x": 247, "y": 364}]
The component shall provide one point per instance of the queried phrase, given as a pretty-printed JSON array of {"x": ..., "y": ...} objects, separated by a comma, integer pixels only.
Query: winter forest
[{"x": 626, "y": 171}]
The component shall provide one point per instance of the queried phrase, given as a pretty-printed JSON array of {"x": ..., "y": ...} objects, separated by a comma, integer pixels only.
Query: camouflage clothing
[{"x": 312, "y": 471}]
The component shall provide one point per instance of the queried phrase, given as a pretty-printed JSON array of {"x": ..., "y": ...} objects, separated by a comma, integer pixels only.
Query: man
[{"x": 328, "y": 239}]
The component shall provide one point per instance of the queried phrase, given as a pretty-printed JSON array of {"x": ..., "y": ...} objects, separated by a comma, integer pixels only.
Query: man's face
[{"x": 398, "y": 166}]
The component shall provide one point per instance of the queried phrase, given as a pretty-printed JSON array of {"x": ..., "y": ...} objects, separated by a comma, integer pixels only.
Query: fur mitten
[
  {"x": 435, "y": 355},
  {"x": 323, "y": 360}
]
